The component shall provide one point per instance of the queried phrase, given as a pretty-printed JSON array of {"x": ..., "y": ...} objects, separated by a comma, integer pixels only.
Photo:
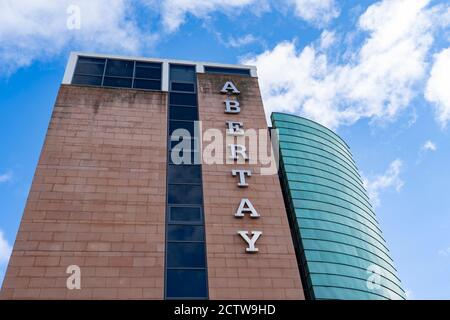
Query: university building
[{"x": 159, "y": 179}]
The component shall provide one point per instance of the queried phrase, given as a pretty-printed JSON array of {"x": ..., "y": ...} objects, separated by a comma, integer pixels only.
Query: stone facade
[
  {"x": 97, "y": 200},
  {"x": 272, "y": 273}
]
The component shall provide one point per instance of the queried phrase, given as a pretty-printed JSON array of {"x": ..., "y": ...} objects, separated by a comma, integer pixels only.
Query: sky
[{"x": 376, "y": 72}]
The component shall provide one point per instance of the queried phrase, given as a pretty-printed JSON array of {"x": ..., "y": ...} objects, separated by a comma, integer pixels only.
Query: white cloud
[
  {"x": 327, "y": 39},
  {"x": 38, "y": 29},
  {"x": 429, "y": 146},
  {"x": 377, "y": 81},
  {"x": 5, "y": 249},
  {"x": 174, "y": 12},
  {"x": 444, "y": 252},
  {"x": 318, "y": 12},
  {"x": 241, "y": 41},
  {"x": 389, "y": 179},
  {"x": 437, "y": 90},
  {"x": 6, "y": 177}
]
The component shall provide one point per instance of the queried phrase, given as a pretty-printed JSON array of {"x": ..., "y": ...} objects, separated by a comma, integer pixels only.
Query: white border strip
[{"x": 199, "y": 66}]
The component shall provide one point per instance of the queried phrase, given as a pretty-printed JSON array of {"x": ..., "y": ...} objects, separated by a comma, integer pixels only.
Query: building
[
  {"x": 338, "y": 240},
  {"x": 149, "y": 186}
]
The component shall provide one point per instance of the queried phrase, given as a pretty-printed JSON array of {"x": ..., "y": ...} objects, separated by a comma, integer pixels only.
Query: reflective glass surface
[{"x": 337, "y": 235}]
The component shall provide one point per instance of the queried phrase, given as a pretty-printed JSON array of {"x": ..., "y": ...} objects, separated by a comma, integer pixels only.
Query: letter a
[
  {"x": 244, "y": 207},
  {"x": 229, "y": 87}
]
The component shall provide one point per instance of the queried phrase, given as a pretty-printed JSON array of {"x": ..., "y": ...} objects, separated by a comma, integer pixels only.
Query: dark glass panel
[
  {"x": 186, "y": 87},
  {"x": 185, "y": 255},
  {"x": 185, "y": 233},
  {"x": 89, "y": 68},
  {"x": 183, "y": 113},
  {"x": 187, "y": 214},
  {"x": 243, "y": 72},
  {"x": 184, "y": 194},
  {"x": 155, "y": 65},
  {"x": 148, "y": 73},
  {"x": 119, "y": 68},
  {"x": 117, "y": 82},
  {"x": 91, "y": 60},
  {"x": 184, "y": 174},
  {"x": 187, "y": 125},
  {"x": 185, "y": 99},
  {"x": 147, "y": 84},
  {"x": 88, "y": 80},
  {"x": 186, "y": 284},
  {"x": 182, "y": 73}
]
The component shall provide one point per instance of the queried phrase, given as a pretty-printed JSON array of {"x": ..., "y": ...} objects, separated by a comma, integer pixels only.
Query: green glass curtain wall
[{"x": 341, "y": 250}]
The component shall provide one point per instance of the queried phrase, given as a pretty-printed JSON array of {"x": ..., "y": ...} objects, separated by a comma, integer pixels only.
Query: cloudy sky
[{"x": 377, "y": 72}]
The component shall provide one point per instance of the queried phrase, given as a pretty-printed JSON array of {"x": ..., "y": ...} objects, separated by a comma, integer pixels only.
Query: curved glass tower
[{"x": 339, "y": 244}]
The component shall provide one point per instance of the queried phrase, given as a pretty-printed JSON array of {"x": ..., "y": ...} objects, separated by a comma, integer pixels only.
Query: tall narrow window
[{"x": 186, "y": 270}]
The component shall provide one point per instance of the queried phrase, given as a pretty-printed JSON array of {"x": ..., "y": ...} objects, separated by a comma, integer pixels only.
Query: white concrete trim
[
  {"x": 70, "y": 68},
  {"x": 199, "y": 66},
  {"x": 165, "y": 77}
]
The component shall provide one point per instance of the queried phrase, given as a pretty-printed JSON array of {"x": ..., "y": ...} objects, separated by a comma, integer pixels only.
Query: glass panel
[
  {"x": 185, "y": 99},
  {"x": 148, "y": 73},
  {"x": 185, "y": 194},
  {"x": 187, "y": 125},
  {"x": 147, "y": 84},
  {"x": 243, "y": 72},
  {"x": 187, "y": 87},
  {"x": 182, "y": 73},
  {"x": 184, "y": 174},
  {"x": 90, "y": 68},
  {"x": 185, "y": 214},
  {"x": 91, "y": 60},
  {"x": 148, "y": 64},
  {"x": 117, "y": 82},
  {"x": 185, "y": 233},
  {"x": 119, "y": 68},
  {"x": 183, "y": 113},
  {"x": 185, "y": 255},
  {"x": 186, "y": 283},
  {"x": 89, "y": 80}
]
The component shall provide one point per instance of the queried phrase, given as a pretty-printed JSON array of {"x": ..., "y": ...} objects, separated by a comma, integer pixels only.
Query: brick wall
[
  {"x": 97, "y": 200},
  {"x": 272, "y": 273}
]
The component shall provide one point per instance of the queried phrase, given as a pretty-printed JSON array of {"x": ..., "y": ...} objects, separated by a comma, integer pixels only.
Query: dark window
[
  {"x": 186, "y": 283},
  {"x": 155, "y": 65},
  {"x": 148, "y": 73},
  {"x": 184, "y": 194},
  {"x": 185, "y": 233},
  {"x": 242, "y": 72},
  {"x": 186, "y": 214},
  {"x": 186, "y": 125},
  {"x": 119, "y": 68},
  {"x": 91, "y": 60},
  {"x": 185, "y": 255},
  {"x": 147, "y": 84},
  {"x": 87, "y": 80},
  {"x": 183, "y": 113},
  {"x": 184, "y": 99},
  {"x": 117, "y": 82},
  {"x": 180, "y": 86},
  {"x": 184, "y": 174},
  {"x": 90, "y": 68},
  {"x": 182, "y": 73}
]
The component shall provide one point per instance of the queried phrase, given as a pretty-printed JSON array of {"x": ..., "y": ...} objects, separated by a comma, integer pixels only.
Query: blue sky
[{"x": 378, "y": 72}]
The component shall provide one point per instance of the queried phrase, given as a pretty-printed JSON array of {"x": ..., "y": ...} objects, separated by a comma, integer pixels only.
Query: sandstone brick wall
[
  {"x": 97, "y": 200},
  {"x": 272, "y": 273}
]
